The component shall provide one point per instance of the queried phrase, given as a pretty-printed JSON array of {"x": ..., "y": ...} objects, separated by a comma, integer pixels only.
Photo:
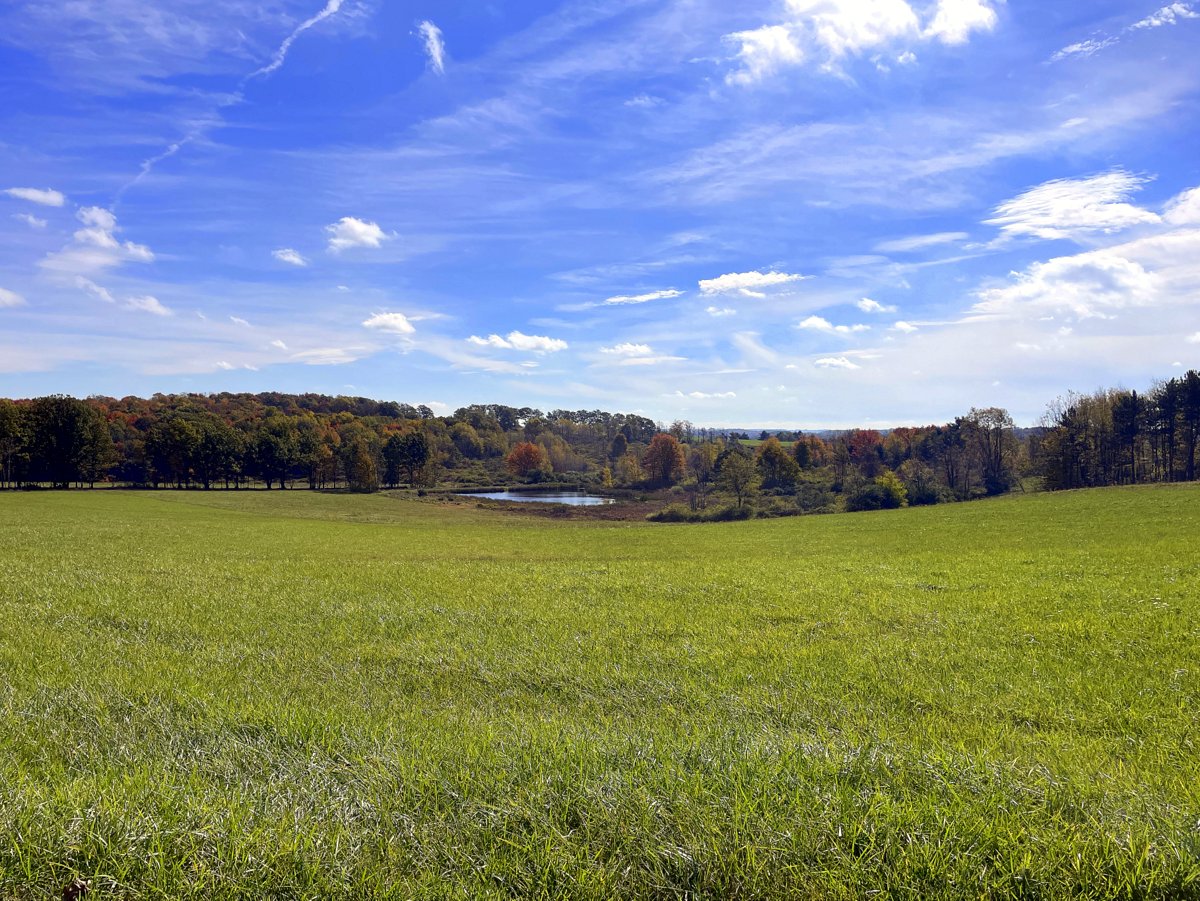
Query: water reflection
[{"x": 574, "y": 498}]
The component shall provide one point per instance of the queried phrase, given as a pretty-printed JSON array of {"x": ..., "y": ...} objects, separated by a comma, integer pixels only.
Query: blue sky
[{"x": 794, "y": 213}]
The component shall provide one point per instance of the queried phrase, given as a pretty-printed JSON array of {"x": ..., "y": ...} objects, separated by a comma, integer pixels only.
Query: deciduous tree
[{"x": 663, "y": 459}]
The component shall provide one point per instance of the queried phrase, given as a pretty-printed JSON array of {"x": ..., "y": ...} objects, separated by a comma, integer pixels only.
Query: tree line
[
  {"x": 1121, "y": 437},
  {"x": 275, "y": 440}
]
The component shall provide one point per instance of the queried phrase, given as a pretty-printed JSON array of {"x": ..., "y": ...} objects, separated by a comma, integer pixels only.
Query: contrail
[{"x": 331, "y": 8}]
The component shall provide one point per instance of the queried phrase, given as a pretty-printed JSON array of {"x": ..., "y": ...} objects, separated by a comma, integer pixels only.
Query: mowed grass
[{"x": 295, "y": 695}]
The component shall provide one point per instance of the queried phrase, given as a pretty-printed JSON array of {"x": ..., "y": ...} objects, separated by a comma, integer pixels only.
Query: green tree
[
  {"x": 702, "y": 460},
  {"x": 276, "y": 450},
  {"x": 67, "y": 440},
  {"x": 361, "y": 473},
  {"x": 777, "y": 468},
  {"x": 738, "y": 475},
  {"x": 12, "y": 440},
  {"x": 172, "y": 445},
  {"x": 405, "y": 453}
]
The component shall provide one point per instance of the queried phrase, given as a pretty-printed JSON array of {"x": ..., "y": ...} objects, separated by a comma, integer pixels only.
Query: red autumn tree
[{"x": 527, "y": 461}]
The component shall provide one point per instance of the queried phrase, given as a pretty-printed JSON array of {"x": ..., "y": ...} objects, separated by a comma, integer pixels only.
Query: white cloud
[
  {"x": 223, "y": 364},
  {"x": 147, "y": 304},
  {"x": 703, "y": 395},
  {"x": 836, "y": 363},
  {"x": 747, "y": 284},
  {"x": 518, "y": 341},
  {"x": 643, "y": 298},
  {"x": 328, "y": 356},
  {"x": 829, "y": 31},
  {"x": 644, "y": 101},
  {"x": 762, "y": 52},
  {"x": 628, "y": 350},
  {"x": 95, "y": 247},
  {"x": 919, "y": 242},
  {"x": 86, "y": 284},
  {"x": 536, "y": 343},
  {"x": 817, "y": 323},
  {"x": 907, "y": 327},
  {"x": 31, "y": 221},
  {"x": 1194, "y": 339},
  {"x": 1184, "y": 209},
  {"x": 392, "y": 323},
  {"x": 287, "y": 255},
  {"x": 720, "y": 311},
  {"x": 330, "y": 9},
  {"x": 44, "y": 196},
  {"x": 238, "y": 320},
  {"x": 10, "y": 298},
  {"x": 1168, "y": 15},
  {"x": 956, "y": 19},
  {"x": 1073, "y": 208},
  {"x": 1161, "y": 271},
  {"x": 629, "y": 354},
  {"x": 97, "y": 217},
  {"x": 279, "y": 344},
  {"x": 873, "y": 306},
  {"x": 349, "y": 232},
  {"x": 850, "y": 26},
  {"x": 435, "y": 46}
]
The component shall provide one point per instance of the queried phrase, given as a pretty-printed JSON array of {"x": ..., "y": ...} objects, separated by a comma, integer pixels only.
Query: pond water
[{"x": 574, "y": 498}]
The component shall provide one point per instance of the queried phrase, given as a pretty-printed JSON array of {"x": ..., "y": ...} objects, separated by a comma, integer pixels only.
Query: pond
[{"x": 574, "y": 498}]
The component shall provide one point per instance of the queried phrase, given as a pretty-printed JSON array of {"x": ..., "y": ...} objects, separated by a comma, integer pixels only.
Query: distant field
[
  {"x": 299, "y": 695},
  {"x": 758, "y": 442}
]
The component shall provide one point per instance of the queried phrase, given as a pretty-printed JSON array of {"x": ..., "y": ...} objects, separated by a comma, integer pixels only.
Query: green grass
[{"x": 295, "y": 695}]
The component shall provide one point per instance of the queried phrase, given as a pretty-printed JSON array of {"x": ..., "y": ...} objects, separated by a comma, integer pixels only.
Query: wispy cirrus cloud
[
  {"x": 1167, "y": 15},
  {"x": 435, "y": 45},
  {"x": 147, "y": 303},
  {"x": 1074, "y": 207},
  {"x": 867, "y": 305},
  {"x": 32, "y": 221},
  {"x": 704, "y": 395},
  {"x": 96, "y": 291},
  {"x": 42, "y": 196},
  {"x": 919, "y": 242},
  {"x": 11, "y": 299},
  {"x": 642, "y": 298},
  {"x": 289, "y": 256}
]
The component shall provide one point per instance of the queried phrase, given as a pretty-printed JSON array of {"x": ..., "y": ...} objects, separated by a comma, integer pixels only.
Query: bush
[
  {"x": 884, "y": 493},
  {"x": 811, "y": 498},
  {"x": 673, "y": 513},
  {"x": 681, "y": 513},
  {"x": 730, "y": 513},
  {"x": 867, "y": 496}
]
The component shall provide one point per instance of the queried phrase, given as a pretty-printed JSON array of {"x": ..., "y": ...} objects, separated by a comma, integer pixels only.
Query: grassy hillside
[{"x": 304, "y": 695}]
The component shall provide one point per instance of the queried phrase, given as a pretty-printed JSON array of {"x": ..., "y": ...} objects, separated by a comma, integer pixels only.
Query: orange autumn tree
[
  {"x": 528, "y": 461},
  {"x": 664, "y": 460}
]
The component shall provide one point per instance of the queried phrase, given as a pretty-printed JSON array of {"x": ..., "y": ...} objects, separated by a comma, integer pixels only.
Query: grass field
[{"x": 295, "y": 695}]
